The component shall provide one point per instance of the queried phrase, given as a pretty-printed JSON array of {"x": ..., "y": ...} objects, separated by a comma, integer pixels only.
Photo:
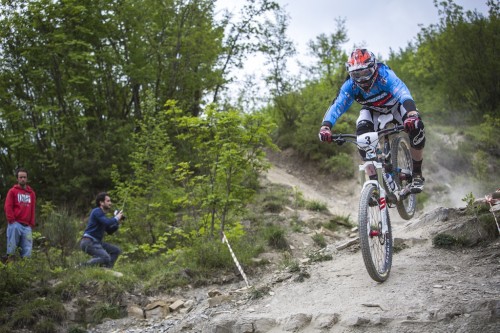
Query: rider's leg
[
  {"x": 365, "y": 124},
  {"x": 417, "y": 143},
  {"x": 417, "y": 155}
]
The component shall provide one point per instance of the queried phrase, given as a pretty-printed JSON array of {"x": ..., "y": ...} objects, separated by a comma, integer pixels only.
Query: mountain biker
[{"x": 377, "y": 88}]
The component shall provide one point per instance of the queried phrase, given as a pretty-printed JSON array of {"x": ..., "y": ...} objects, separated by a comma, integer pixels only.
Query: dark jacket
[{"x": 98, "y": 224}]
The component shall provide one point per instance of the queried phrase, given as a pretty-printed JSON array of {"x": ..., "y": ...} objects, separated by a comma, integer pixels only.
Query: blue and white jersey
[{"x": 386, "y": 94}]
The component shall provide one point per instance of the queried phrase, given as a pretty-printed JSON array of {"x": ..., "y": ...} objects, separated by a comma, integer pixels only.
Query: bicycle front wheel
[
  {"x": 401, "y": 158},
  {"x": 376, "y": 246}
]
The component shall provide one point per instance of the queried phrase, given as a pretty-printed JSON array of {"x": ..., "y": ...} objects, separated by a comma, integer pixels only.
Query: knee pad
[
  {"x": 363, "y": 127},
  {"x": 417, "y": 135}
]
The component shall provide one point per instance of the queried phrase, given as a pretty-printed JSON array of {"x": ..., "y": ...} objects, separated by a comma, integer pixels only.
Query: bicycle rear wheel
[
  {"x": 376, "y": 246},
  {"x": 401, "y": 158}
]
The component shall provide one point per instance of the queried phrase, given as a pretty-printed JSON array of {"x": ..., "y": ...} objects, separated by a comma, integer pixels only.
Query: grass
[
  {"x": 41, "y": 313},
  {"x": 335, "y": 221},
  {"x": 275, "y": 236},
  {"x": 422, "y": 198},
  {"x": 289, "y": 263},
  {"x": 316, "y": 206},
  {"x": 33, "y": 293},
  {"x": 319, "y": 240},
  {"x": 105, "y": 310},
  {"x": 257, "y": 293},
  {"x": 444, "y": 240},
  {"x": 274, "y": 199},
  {"x": 317, "y": 256}
]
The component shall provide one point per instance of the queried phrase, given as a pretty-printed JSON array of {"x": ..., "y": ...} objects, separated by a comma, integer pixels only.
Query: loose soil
[{"x": 430, "y": 289}]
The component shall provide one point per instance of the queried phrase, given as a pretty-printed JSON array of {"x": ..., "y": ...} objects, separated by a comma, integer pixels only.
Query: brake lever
[{"x": 338, "y": 140}]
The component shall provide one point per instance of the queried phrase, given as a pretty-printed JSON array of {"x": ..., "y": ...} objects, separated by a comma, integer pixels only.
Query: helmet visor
[{"x": 362, "y": 75}]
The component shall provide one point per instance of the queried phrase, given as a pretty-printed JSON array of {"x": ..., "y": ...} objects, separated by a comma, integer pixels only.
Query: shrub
[
  {"x": 257, "y": 293},
  {"x": 45, "y": 325},
  {"x": 319, "y": 240},
  {"x": 30, "y": 313},
  {"x": 105, "y": 310},
  {"x": 61, "y": 230},
  {"x": 289, "y": 263},
  {"x": 446, "y": 241},
  {"x": 275, "y": 237},
  {"x": 334, "y": 222},
  {"x": 316, "y": 206}
]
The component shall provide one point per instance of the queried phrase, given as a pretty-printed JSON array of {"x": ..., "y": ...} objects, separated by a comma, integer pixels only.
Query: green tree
[
  {"x": 227, "y": 158},
  {"x": 277, "y": 49},
  {"x": 327, "y": 50},
  {"x": 240, "y": 39},
  {"x": 148, "y": 194},
  {"x": 175, "y": 200},
  {"x": 73, "y": 75},
  {"x": 298, "y": 112},
  {"x": 57, "y": 117},
  {"x": 448, "y": 58}
]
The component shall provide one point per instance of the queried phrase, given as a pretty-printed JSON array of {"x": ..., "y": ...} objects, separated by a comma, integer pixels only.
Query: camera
[{"x": 116, "y": 213}]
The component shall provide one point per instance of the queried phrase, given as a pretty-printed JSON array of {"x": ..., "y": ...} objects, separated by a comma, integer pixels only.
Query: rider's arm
[
  {"x": 339, "y": 105},
  {"x": 400, "y": 90}
]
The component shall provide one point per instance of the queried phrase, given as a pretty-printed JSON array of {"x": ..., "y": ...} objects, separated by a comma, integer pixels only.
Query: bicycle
[{"x": 388, "y": 153}]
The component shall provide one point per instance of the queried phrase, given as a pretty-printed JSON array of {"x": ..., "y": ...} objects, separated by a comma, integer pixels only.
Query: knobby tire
[
  {"x": 401, "y": 158},
  {"x": 376, "y": 250}
]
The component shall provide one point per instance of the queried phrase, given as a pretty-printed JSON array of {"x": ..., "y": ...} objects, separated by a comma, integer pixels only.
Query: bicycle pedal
[
  {"x": 404, "y": 193},
  {"x": 416, "y": 190}
]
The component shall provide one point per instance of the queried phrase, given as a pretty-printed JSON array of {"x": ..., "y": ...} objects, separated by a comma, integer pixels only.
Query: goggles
[{"x": 362, "y": 75}]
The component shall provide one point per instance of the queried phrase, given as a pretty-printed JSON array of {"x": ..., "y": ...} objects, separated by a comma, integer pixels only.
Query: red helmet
[{"x": 362, "y": 68}]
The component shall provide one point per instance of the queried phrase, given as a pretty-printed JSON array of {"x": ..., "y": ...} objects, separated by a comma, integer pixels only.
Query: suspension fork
[{"x": 382, "y": 204}]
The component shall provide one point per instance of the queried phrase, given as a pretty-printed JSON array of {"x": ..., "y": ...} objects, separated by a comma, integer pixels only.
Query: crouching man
[{"x": 103, "y": 254}]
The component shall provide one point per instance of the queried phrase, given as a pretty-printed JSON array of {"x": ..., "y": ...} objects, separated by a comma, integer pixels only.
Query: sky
[{"x": 379, "y": 24}]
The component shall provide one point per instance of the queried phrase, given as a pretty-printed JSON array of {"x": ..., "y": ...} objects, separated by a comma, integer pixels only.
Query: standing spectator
[
  {"x": 104, "y": 254},
  {"x": 20, "y": 211}
]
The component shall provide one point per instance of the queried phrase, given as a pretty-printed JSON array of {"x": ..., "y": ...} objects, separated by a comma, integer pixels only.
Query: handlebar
[{"x": 342, "y": 138}]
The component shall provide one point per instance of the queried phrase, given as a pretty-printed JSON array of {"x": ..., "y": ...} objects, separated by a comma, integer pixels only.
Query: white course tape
[{"x": 224, "y": 240}]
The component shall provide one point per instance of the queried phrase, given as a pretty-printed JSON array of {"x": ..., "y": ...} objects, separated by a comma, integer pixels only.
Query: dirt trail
[
  {"x": 429, "y": 289},
  {"x": 341, "y": 199}
]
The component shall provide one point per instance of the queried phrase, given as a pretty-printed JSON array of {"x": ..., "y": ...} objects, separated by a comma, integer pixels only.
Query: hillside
[{"x": 430, "y": 289}]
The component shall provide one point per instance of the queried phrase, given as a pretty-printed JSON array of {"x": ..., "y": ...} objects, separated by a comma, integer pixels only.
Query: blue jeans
[
  {"x": 103, "y": 254},
  {"x": 19, "y": 235}
]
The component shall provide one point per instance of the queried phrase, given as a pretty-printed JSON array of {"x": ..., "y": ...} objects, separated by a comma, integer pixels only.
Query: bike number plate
[{"x": 368, "y": 141}]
